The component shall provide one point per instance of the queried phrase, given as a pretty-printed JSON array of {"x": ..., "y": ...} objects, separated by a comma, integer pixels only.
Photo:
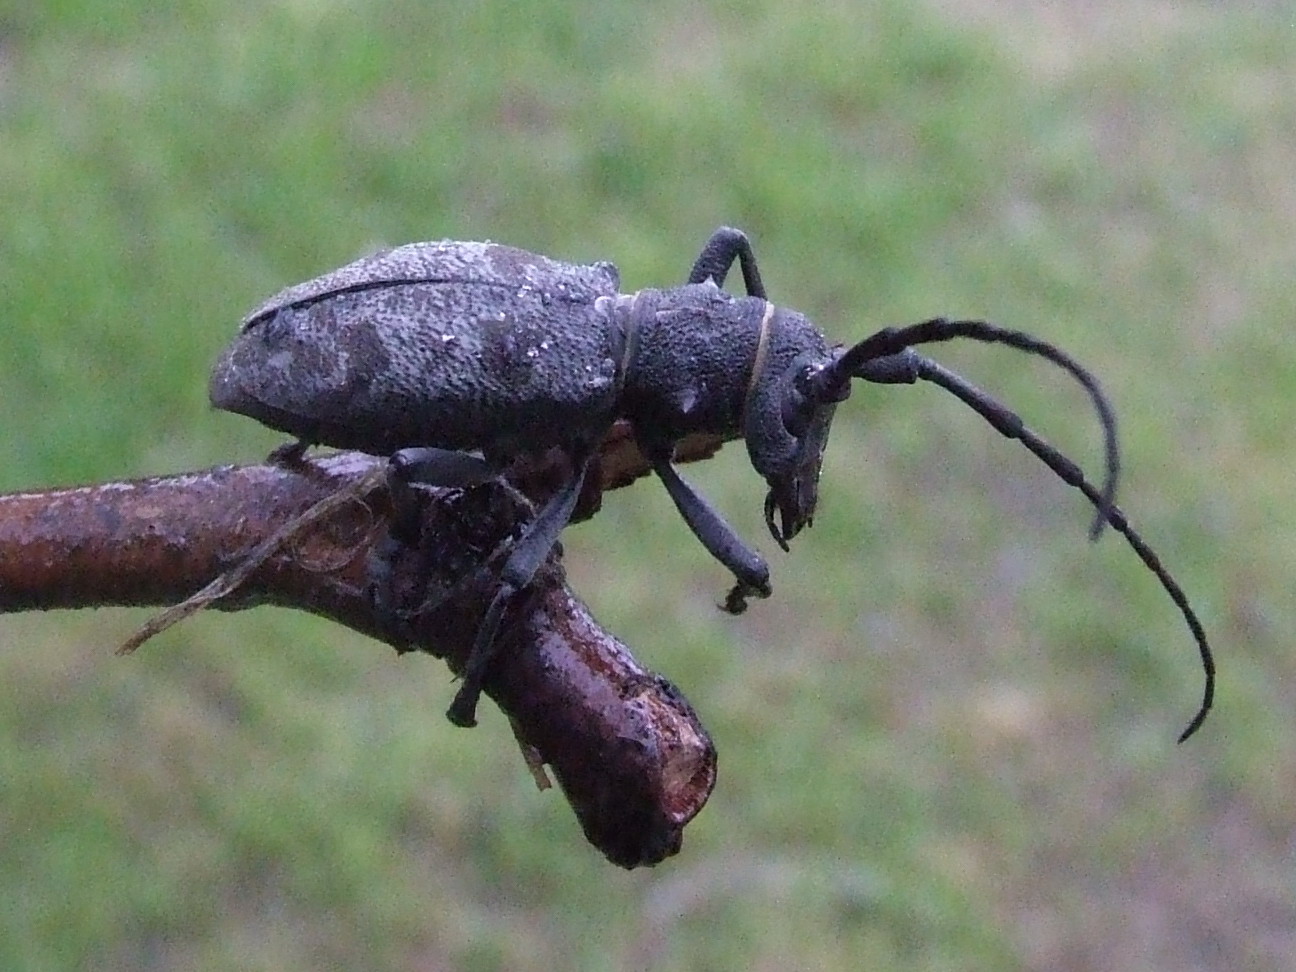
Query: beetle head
[{"x": 787, "y": 423}]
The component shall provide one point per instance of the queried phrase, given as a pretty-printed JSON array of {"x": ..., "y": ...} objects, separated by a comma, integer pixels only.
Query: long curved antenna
[
  {"x": 891, "y": 341},
  {"x": 909, "y": 365}
]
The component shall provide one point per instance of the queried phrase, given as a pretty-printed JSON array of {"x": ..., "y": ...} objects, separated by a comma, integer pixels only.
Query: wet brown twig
[{"x": 629, "y": 752}]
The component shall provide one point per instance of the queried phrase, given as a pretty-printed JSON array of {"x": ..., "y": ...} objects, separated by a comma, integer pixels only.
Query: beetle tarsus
[
  {"x": 463, "y": 708},
  {"x": 735, "y": 601},
  {"x": 289, "y": 455}
]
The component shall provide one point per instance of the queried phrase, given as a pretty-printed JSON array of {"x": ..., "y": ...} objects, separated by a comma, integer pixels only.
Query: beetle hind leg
[
  {"x": 290, "y": 454},
  {"x": 406, "y": 470}
]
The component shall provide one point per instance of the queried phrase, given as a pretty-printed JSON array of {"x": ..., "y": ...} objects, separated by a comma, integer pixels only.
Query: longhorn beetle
[{"x": 456, "y": 358}]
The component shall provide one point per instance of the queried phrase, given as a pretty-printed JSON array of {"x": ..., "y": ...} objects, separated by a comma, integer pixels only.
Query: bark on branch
[{"x": 629, "y": 752}]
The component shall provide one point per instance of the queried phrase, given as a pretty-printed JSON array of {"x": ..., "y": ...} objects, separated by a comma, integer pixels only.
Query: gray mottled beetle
[{"x": 455, "y": 358}]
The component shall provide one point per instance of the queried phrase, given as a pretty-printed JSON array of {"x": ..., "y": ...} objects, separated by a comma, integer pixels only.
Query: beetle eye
[
  {"x": 799, "y": 403},
  {"x": 797, "y": 412}
]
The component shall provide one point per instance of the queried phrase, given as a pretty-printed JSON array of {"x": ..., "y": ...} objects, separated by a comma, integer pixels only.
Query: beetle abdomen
[{"x": 461, "y": 346}]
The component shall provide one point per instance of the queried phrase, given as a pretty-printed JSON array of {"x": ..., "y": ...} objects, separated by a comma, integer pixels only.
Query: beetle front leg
[
  {"x": 718, "y": 537},
  {"x": 726, "y": 245}
]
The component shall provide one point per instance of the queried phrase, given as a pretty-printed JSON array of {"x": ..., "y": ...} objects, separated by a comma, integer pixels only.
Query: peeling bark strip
[{"x": 628, "y": 751}]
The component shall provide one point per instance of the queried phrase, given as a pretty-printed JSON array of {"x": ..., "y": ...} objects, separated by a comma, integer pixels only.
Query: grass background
[{"x": 947, "y": 742}]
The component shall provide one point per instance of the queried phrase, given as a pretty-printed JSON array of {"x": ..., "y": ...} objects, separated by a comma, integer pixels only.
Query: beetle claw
[{"x": 735, "y": 601}]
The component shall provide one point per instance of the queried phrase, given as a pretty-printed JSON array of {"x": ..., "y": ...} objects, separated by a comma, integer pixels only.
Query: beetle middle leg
[
  {"x": 523, "y": 561},
  {"x": 443, "y": 467}
]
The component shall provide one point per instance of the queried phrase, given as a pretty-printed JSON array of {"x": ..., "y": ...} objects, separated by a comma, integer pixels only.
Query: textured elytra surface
[
  {"x": 456, "y": 345},
  {"x": 452, "y": 261}
]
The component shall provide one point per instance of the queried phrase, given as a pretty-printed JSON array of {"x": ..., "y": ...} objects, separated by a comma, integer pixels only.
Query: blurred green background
[{"x": 946, "y": 743}]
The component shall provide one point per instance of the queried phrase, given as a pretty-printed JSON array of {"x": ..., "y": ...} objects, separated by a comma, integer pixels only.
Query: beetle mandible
[{"x": 455, "y": 358}]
